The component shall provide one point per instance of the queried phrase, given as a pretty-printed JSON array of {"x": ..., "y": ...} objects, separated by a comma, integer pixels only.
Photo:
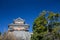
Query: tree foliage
[
  {"x": 5, "y": 36},
  {"x": 46, "y": 26}
]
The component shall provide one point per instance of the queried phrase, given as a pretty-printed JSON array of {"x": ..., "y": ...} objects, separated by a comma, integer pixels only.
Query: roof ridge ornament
[{"x": 19, "y": 19}]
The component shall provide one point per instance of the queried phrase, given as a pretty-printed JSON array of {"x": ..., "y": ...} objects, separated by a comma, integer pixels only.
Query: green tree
[
  {"x": 0, "y": 33},
  {"x": 7, "y": 36},
  {"x": 0, "y": 36},
  {"x": 45, "y": 25}
]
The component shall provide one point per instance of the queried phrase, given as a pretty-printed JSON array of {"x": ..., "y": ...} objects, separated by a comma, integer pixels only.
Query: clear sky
[{"x": 26, "y": 9}]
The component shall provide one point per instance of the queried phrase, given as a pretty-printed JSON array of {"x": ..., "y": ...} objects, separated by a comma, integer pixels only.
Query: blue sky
[{"x": 26, "y": 9}]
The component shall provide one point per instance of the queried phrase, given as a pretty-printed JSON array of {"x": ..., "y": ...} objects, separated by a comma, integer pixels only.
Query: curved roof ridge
[{"x": 19, "y": 19}]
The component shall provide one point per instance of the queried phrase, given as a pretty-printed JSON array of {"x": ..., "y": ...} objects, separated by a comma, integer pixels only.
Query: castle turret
[
  {"x": 19, "y": 29},
  {"x": 18, "y": 25}
]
